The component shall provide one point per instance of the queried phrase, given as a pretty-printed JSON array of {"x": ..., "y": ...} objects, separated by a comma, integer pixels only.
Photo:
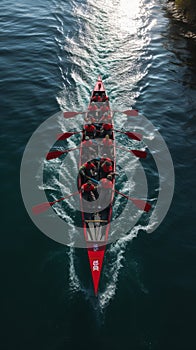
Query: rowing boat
[
  {"x": 96, "y": 207},
  {"x": 96, "y": 224}
]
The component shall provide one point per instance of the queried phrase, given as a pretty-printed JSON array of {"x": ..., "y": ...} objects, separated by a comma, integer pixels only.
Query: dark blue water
[{"x": 51, "y": 54}]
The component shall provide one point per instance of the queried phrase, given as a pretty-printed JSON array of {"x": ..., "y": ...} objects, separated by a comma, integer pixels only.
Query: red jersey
[
  {"x": 104, "y": 108},
  {"x": 89, "y": 128},
  {"x": 106, "y": 183},
  {"x": 87, "y": 187},
  {"x": 106, "y": 118},
  {"x": 107, "y": 168},
  {"x": 107, "y": 142},
  {"x": 89, "y": 165},
  {"x": 87, "y": 143},
  {"x": 102, "y": 160},
  {"x": 96, "y": 99},
  {"x": 91, "y": 119},
  {"x": 105, "y": 98},
  {"x": 107, "y": 126},
  {"x": 92, "y": 107}
]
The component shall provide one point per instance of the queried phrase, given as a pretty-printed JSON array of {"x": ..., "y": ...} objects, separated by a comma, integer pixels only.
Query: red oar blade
[
  {"x": 139, "y": 154},
  {"x": 54, "y": 154},
  {"x": 141, "y": 204},
  {"x": 64, "y": 136},
  {"x": 40, "y": 208},
  {"x": 134, "y": 135},
  {"x": 71, "y": 114},
  {"x": 131, "y": 112}
]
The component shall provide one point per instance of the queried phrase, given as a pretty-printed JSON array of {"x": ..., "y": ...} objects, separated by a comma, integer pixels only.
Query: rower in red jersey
[
  {"x": 106, "y": 168},
  {"x": 106, "y": 118},
  {"x": 104, "y": 97},
  {"x": 106, "y": 129},
  {"x": 107, "y": 142},
  {"x": 92, "y": 107},
  {"x": 105, "y": 159},
  {"x": 89, "y": 149},
  {"x": 106, "y": 183},
  {"x": 90, "y": 119},
  {"x": 89, "y": 191},
  {"x": 87, "y": 169},
  {"x": 104, "y": 107},
  {"x": 89, "y": 130},
  {"x": 87, "y": 142},
  {"x": 96, "y": 98},
  {"x": 107, "y": 146}
]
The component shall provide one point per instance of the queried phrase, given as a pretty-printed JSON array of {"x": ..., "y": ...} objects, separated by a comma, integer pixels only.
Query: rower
[
  {"x": 88, "y": 148},
  {"x": 105, "y": 159},
  {"x": 105, "y": 188},
  {"x": 106, "y": 168},
  {"x": 96, "y": 98},
  {"x": 107, "y": 142},
  {"x": 89, "y": 191},
  {"x": 106, "y": 183},
  {"x": 107, "y": 146},
  {"x": 104, "y": 107},
  {"x": 92, "y": 107},
  {"x": 90, "y": 118},
  {"x": 87, "y": 142},
  {"x": 106, "y": 129},
  {"x": 87, "y": 169},
  {"x": 89, "y": 130},
  {"x": 104, "y": 97},
  {"x": 106, "y": 118}
]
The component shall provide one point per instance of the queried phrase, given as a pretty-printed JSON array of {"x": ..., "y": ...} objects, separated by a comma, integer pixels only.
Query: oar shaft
[
  {"x": 63, "y": 198},
  {"x": 40, "y": 208},
  {"x": 137, "y": 153},
  {"x": 141, "y": 204}
]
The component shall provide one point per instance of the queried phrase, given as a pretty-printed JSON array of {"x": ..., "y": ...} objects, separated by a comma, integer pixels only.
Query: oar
[
  {"x": 56, "y": 154},
  {"x": 71, "y": 114},
  {"x": 131, "y": 135},
  {"x": 66, "y": 135},
  {"x": 40, "y": 208},
  {"x": 128, "y": 112},
  {"x": 141, "y": 204},
  {"x": 137, "y": 153}
]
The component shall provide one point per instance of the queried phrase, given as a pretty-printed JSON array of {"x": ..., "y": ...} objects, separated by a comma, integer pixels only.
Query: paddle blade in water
[
  {"x": 66, "y": 135},
  {"x": 40, "y": 208},
  {"x": 54, "y": 154},
  {"x": 139, "y": 154},
  {"x": 134, "y": 135},
  {"x": 70, "y": 114},
  {"x": 131, "y": 112},
  {"x": 141, "y": 204}
]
